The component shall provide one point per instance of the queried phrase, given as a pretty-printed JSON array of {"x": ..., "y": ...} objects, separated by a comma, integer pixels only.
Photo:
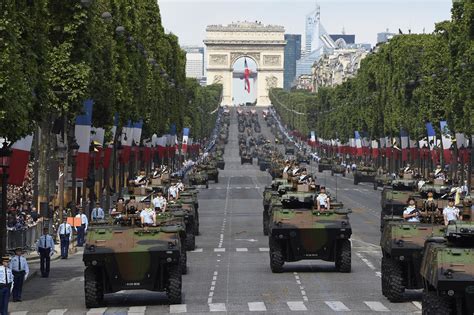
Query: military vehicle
[
  {"x": 246, "y": 158},
  {"x": 402, "y": 246},
  {"x": 198, "y": 177},
  {"x": 127, "y": 257},
  {"x": 447, "y": 271},
  {"x": 382, "y": 180},
  {"x": 212, "y": 171},
  {"x": 338, "y": 169},
  {"x": 190, "y": 197},
  {"x": 289, "y": 149},
  {"x": 298, "y": 233},
  {"x": 264, "y": 163},
  {"x": 302, "y": 158},
  {"x": 220, "y": 163},
  {"x": 364, "y": 174},
  {"x": 324, "y": 164},
  {"x": 188, "y": 215}
]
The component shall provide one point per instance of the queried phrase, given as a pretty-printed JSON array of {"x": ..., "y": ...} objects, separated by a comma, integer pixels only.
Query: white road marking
[
  {"x": 139, "y": 310},
  {"x": 378, "y": 274},
  {"x": 57, "y": 312},
  {"x": 296, "y": 306},
  {"x": 417, "y": 304},
  {"x": 337, "y": 306},
  {"x": 219, "y": 249},
  {"x": 96, "y": 311},
  {"x": 211, "y": 294},
  {"x": 178, "y": 308},
  {"x": 242, "y": 249},
  {"x": 198, "y": 250},
  {"x": 19, "y": 313},
  {"x": 215, "y": 273},
  {"x": 264, "y": 249},
  {"x": 366, "y": 261},
  {"x": 217, "y": 307},
  {"x": 376, "y": 306},
  {"x": 212, "y": 288},
  {"x": 257, "y": 307}
]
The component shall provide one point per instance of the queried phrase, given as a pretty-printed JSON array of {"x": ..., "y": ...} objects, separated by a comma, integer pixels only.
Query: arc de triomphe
[{"x": 265, "y": 44}]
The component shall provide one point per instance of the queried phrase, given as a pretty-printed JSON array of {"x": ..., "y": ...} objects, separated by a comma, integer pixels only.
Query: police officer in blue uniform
[
  {"x": 65, "y": 236},
  {"x": 20, "y": 270},
  {"x": 45, "y": 248},
  {"x": 6, "y": 282}
]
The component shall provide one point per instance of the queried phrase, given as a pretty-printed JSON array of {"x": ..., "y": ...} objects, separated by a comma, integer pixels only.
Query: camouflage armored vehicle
[
  {"x": 289, "y": 149},
  {"x": 127, "y": 257},
  {"x": 338, "y": 169},
  {"x": 276, "y": 169},
  {"x": 324, "y": 164},
  {"x": 438, "y": 188},
  {"x": 264, "y": 163},
  {"x": 212, "y": 171},
  {"x": 364, "y": 174},
  {"x": 394, "y": 199},
  {"x": 382, "y": 180},
  {"x": 402, "y": 246},
  {"x": 246, "y": 158},
  {"x": 220, "y": 162},
  {"x": 302, "y": 158},
  {"x": 189, "y": 197},
  {"x": 297, "y": 234},
  {"x": 447, "y": 271},
  {"x": 198, "y": 177},
  {"x": 188, "y": 215}
]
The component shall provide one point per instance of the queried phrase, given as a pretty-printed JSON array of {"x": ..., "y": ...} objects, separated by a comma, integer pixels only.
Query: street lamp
[
  {"x": 74, "y": 152},
  {"x": 5, "y": 154}
]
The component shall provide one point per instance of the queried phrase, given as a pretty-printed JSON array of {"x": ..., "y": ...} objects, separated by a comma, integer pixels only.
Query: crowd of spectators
[{"x": 21, "y": 214}]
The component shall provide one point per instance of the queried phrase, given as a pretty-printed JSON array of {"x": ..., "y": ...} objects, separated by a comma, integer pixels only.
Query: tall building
[
  {"x": 384, "y": 36},
  {"x": 292, "y": 54},
  {"x": 348, "y": 38},
  {"x": 194, "y": 61}
]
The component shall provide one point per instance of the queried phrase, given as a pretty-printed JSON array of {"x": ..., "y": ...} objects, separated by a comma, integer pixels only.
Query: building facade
[
  {"x": 292, "y": 55},
  {"x": 194, "y": 62}
]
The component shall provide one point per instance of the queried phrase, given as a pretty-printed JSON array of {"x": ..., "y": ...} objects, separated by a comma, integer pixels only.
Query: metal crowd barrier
[{"x": 25, "y": 238}]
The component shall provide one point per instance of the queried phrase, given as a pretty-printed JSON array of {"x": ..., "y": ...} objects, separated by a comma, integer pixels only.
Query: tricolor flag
[
  {"x": 312, "y": 139},
  {"x": 136, "y": 135},
  {"x": 431, "y": 135},
  {"x": 246, "y": 77},
  {"x": 97, "y": 138},
  {"x": 446, "y": 141},
  {"x": 126, "y": 139},
  {"x": 358, "y": 143},
  {"x": 184, "y": 146},
  {"x": 82, "y": 132},
  {"x": 404, "y": 143},
  {"x": 19, "y": 160}
]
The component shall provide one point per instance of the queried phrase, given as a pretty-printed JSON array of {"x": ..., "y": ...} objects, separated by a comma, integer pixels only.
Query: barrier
[{"x": 25, "y": 238}]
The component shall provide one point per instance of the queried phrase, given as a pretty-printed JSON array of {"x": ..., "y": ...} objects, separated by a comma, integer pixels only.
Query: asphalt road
[{"x": 229, "y": 271}]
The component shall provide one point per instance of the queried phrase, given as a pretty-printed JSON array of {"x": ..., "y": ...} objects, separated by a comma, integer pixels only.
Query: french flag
[
  {"x": 431, "y": 135},
  {"x": 375, "y": 148},
  {"x": 161, "y": 143},
  {"x": 246, "y": 77},
  {"x": 82, "y": 132},
  {"x": 404, "y": 143},
  {"x": 97, "y": 137},
  {"x": 19, "y": 160},
  {"x": 137, "y": 135},
  {"x": 358, "y": 143},
  {"x": 126, "y": 139},
  {"x": 184, "y": 145},
  {"x": 446, "y": 140}
]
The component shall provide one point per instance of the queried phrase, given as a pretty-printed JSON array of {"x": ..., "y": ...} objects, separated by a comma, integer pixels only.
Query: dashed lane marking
[
  {"x": 217, "y": 307},
  {"x": 219, "y": 250},
  {"x": 376, "y": 306},
  {"x": 264, "y": 249},
  {"x": 257, "y": 307},
  {"x": 296, "y": 306},
  {"x": 178, "y": 308},
  {"x": 241, "y": 249},
  {"x": 96, "y": 311},
  {"x": 417, "y": 304},
  {"x": 57, "y": 311},
  {"x": 198, "y": 250},
  {"x": 19, "y": 313},
  {"x": 337, "y": 306},
  {"x": 136, "y": 310}
]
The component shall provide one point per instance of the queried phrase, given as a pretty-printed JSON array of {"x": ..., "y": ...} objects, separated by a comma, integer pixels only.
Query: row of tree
[
  {"x": 55, "y": 54},
  {"x": 411, "y": 80}
]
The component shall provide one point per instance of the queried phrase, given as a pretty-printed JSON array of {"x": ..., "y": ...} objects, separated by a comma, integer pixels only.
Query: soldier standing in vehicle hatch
[{"x": 322, "y": 200}]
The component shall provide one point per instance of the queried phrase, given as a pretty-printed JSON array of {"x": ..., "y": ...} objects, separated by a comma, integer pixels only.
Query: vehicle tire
[
  {"x": 183, "y": 260},
  {"x": 356, "y": 182},
  {"x": 431, "y": 303},
  {"x": 190, "y": 241},
  {"x": 174, "y": 285},
  {"x": 375, "y": 186},
  {"x": 196, "y": 224},
  {"x": 332, "y": 173},
  {"x": 265, "y": 223},
  {"x": 319, "y": 170},
  {"x": 343, "y": 256},
  {"x": 93, "y": 287},
  {"x": 384, "y": 282},
  {"x": 395, "y": 287},
  {"x": 217, "y": 179},
  {"x": 207, "y": 184},
  {"x": 344, "y": 174},
  {"x": 276, "y": 257}
]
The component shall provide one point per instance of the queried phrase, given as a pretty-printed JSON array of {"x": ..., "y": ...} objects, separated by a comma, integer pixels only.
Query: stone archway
[{"x": 265, "y": 44}]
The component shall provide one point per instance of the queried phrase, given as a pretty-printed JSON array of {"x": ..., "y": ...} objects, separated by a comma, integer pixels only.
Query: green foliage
[{"x": 408, "y": 81}]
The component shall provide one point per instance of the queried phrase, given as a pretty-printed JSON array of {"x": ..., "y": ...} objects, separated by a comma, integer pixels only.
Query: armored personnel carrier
[
  {"x": 212, "y": 171},
  {"x": 402, "y": 245},
  {"x": 324, "y": 164},
  {"x": 297, "y": 234},
  {"x": 128, "y": 257},
  {"x": 289, "y": 149},
  {"x": 188, "y": 215},
  {"x": 447, "y": 271},
  {"x": 198, "y": 177},
  {"x": 246, "y": 158},
  {"x": 338, "y": 169},
  {"x": 394, "y": 198},
  {"x": 364, "y": 174}
]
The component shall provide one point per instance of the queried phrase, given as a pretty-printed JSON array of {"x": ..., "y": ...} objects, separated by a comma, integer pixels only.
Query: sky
[{"x": 364, "y": 18}]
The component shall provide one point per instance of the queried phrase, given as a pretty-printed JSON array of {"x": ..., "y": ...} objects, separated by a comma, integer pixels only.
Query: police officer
[
  {"x": 45, "y": 249},
  {"x": 20, "y": 270},
  {"x": 97, "y": 213},
  {"x": 82, "y": 229},
  {"x": 6, "y": 283},
  {"x": 65, "y": 236}
]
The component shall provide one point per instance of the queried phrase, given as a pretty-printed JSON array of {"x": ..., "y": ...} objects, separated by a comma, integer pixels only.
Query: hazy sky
[{"x": 364, "y": 18}]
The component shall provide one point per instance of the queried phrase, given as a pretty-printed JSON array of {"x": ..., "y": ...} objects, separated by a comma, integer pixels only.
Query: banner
[{"x": 82, "y": 132}]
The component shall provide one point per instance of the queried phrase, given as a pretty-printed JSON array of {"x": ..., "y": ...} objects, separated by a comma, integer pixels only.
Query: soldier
[
  {"x": 45, "y": 249},
  {"x": 411, "y": 214},
  {"x": 65, "y": 236},
  {"x": 173, "y": 192},
  {"x": 6, "y": 283},
  {"x": 430, "y": 205},
  {"x": 439, "y": 173},
  {"x": 20, "y": 270},
  {"x": 97, "y": 213},
  {"x": 82, "y": 229},
  {"x": 140, "y": 180},
  {"x": 322, "y": 200},
  {"x": 287, "y": 166},
  {"x": 159, "y": 202},
  {"x": 451, "y": 213},
  {"x": 148, "y": 216}
]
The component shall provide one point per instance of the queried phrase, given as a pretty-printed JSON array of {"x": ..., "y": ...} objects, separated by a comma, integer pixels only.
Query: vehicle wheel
[
  {"x": 384, "y": 275},
  {"x": 196, "y": 224},
  {"x": 395, "y": 287},
  {"x": 356, "y": 182},
  {"x": 183, "y": 261},
  {"x": 343, "y": 258},
  {"x": 207, "y": 184},
  {"x": 344, "y": 174},
  {"x": 93, "y": 287},
  {"x": 190, "y": 241},
  {"x": 332, "y": 173},
  {"x": 265, "y": 223},
  {"x": 217, "y": 179},
  {"x": 319, "y": 170},
  {"x": 174, "y": 285},
  {"x": 375, "y": 186},
  {"x": 433, "y": 304},
  {"x": 276, "y": 257}
]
